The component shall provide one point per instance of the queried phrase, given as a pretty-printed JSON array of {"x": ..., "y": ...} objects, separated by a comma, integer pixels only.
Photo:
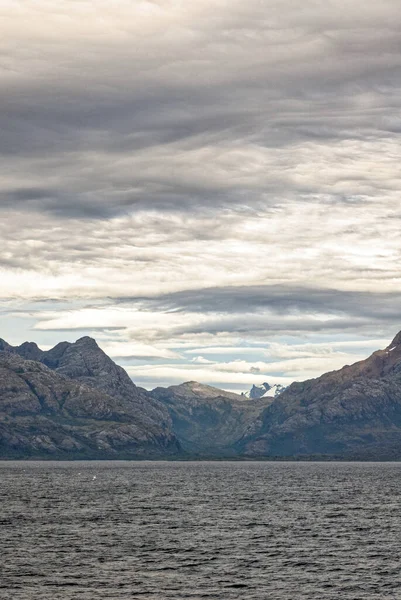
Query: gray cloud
[
  {"x": 281, "y": 299},
  {"x": 180, "y": 110}
]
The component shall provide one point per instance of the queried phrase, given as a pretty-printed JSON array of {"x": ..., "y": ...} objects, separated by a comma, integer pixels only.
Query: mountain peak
[
  {"x": 30, "y": 351},
  {"x": 195, "y": 386},
  {"x": 200, "y": 388},
  {"x": 195, "y": 390},
  {"x": 265, "y": 390},
  {"x": 29, "y": 345},
  {"x": 87, "y": 341}
]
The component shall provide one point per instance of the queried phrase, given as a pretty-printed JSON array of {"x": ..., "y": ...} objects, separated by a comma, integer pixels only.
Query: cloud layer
[
  {"x": 179, "y": 173},
  {"x": 111, "y": 108}
]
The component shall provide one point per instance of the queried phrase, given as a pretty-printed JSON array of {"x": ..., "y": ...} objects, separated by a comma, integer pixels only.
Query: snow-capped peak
[
  {"x": 264, "y": 391},
  {"x": 274, "y": 391}
]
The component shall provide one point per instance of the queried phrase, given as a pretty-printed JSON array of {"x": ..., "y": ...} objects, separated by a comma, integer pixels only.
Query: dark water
[{"x": 200, "y": 530}]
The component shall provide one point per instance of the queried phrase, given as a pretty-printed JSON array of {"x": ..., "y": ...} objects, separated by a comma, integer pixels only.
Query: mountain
[
  {"x": 73, "y": 401},
  {"x": 354, "y": 412},
  {"x": 209, "y": 421},
  {"x": 85, "y": 362},
  {"x": 264, "y": 391},
  {"x": 75, "y": 396}
]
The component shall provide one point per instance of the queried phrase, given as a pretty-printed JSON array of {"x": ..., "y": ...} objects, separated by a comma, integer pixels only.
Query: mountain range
[{"x": 73, "y": 401}]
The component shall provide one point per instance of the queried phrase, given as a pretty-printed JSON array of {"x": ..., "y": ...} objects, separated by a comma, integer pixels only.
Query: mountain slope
[
  {"x": 208, "y": 420},
  {"x": 353, "y": 412},
  {"x": 44, "y": 412}
]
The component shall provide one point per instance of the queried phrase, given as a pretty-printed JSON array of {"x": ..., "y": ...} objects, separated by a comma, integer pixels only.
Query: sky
[{"x": 210, "y": 189}]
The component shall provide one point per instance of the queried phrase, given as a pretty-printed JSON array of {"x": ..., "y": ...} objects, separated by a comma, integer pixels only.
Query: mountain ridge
[{"x": 73, "y": 400}]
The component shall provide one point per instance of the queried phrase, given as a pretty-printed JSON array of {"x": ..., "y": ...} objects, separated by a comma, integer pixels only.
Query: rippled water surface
[{"x": 154, "y": 530}]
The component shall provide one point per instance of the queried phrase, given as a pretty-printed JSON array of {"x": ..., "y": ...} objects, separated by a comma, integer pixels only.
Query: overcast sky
[{"x": 210, "y": 189}]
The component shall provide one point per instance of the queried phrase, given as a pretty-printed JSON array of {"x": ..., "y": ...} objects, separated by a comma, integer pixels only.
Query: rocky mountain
[
  {"x": 85, "y": 362},
  {"x": 207, "y": 420},
  {"x": 264, "y": 391},
  {"x": 354, "y": 412},
  {"x": 75, "y": 399}
]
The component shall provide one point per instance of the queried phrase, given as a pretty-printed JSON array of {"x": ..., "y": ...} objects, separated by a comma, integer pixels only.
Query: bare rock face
[
  {"x": 354, "y": 412},
  {"x": 45, "y": 412},
  {"x": 209, "y": 421}
]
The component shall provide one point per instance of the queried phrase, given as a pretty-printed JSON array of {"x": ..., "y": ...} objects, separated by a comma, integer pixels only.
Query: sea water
[{"x": 200, "y": 530}]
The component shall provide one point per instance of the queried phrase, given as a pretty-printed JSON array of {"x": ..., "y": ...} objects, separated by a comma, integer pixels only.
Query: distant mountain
[
  {"x": 264, "y": 391},
  {"x": 207, "y": 420},
  {"x": 274, "y": 391},
  {"x": 79, "y": 401},
  {"x": 354, "y": 412}
]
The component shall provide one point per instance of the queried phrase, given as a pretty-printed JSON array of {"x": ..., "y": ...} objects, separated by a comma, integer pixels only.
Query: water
[{"x": 156, "y": 531}]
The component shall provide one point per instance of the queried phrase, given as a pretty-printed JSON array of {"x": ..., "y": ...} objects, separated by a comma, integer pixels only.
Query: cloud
[
  {"x": 152, "y": 254},
  {"x": 233, "y": 315},
  {"x": 284, "y": 300},
  {"x": 107, "y": 109},
  {"x": 238, "y": 375},
  {"x": 121, "y": 349},
  {"x": 201, "y": 360},
  {"x": 176, "y": 176}
]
